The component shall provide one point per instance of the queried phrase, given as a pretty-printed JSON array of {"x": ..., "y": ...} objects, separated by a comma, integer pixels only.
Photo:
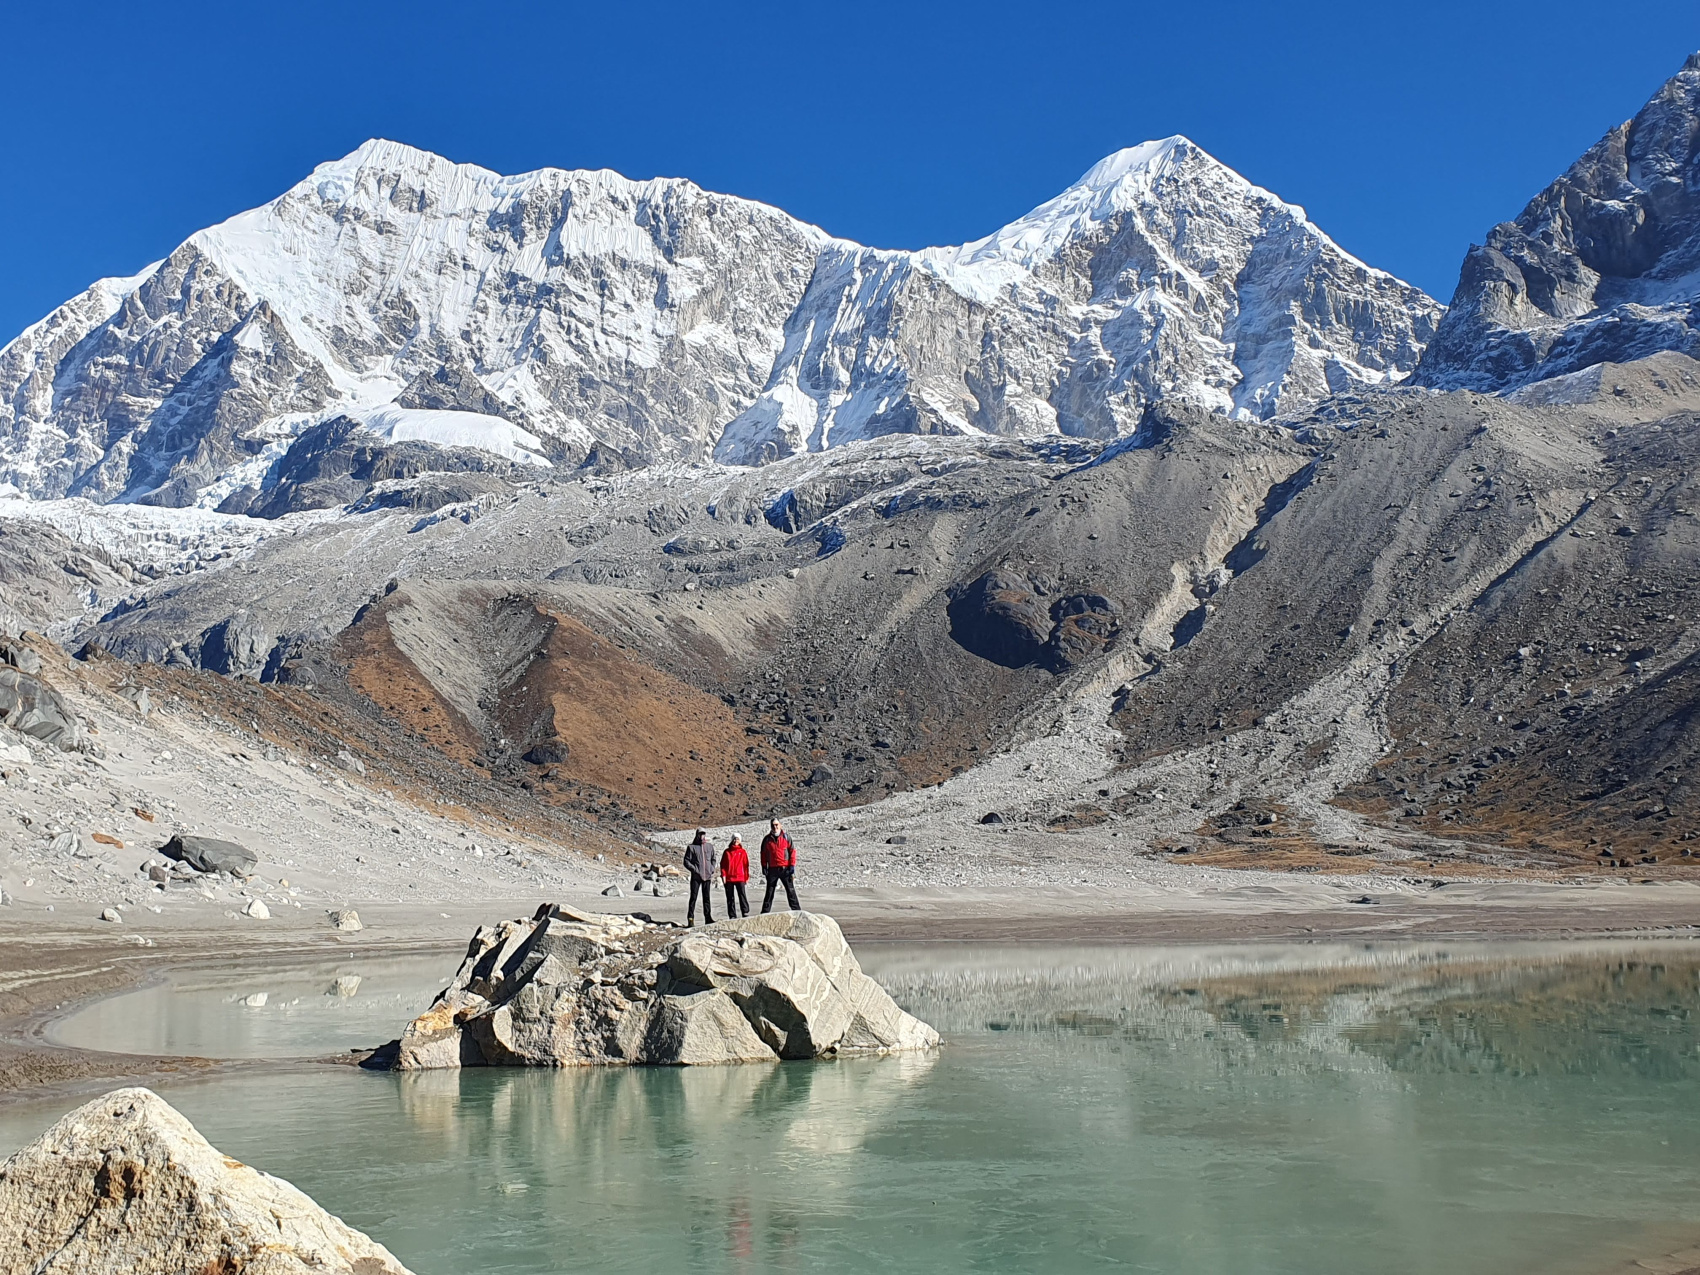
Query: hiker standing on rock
[
  {"x": 779, "y": 863},
  {"x": 699, "y": 866},
  {"x": 735, "y": 871}
]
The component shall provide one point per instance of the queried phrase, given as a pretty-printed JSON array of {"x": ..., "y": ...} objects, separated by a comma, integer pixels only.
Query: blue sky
[{"x": 1405, "y": 130}]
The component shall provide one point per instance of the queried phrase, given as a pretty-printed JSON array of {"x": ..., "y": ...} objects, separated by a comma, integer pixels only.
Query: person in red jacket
[
  {"x": 735, "y": 871},
  {"x": 779, "y": 863}
]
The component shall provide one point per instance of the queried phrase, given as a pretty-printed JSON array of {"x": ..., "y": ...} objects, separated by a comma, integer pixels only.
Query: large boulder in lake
[
  {"x": 573, "y": 988},
  {"x": 125, "y": 1186}
]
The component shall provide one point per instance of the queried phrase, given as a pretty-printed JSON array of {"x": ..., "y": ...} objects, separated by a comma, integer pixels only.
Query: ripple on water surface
[{"x": 1451, "y": 1109}]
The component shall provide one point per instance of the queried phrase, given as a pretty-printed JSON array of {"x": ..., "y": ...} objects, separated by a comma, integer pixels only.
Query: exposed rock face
[
  {"x": 31, "y": 707},
  {"x": 340, "y": 461},
  {"x": 237, "y": 646},
  {"x": 20, "y": 656},
  {"x": 125, "y": 1186},
  {"x": 587, "y": 306},
  {"x": 43, "y": 571},
  {"x": 1087, "y": 624},
  {"x": 575, "y": 989},
  {"x": 1603, "y": 265},
  {"x": 559, "y": 318},
  {"x": 999, "y": 617}
]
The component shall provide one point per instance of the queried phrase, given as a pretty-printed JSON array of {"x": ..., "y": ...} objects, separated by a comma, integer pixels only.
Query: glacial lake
[{"x": 1439, "y": 1109}]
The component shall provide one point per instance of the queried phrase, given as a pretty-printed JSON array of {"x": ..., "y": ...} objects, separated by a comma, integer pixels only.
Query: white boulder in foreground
[
  {"x": 125, "y": 1186},
  {"x": 569, "y": 989}
]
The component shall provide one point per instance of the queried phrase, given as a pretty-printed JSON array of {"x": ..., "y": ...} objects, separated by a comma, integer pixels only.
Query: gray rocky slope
[
  {"x": 1415, "y": 608},
  {"x": 557, "y": 317},
  {"x": 1603, "y": 265}
]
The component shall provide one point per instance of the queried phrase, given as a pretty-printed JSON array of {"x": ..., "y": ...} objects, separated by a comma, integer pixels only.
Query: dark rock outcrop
[
  {"x": 434, "y": 491},
  {"x": 20, "y": 656},
  {"x": 1003, "y": 617},
  {"x": 1000, "y": 618},
  {"x": 237, "y": 646},
  {"x": 1086, "y": 626},
  {"x": 209, "y": 854},
  {"x": 813, "y": 499},
  {"x": 455, "y": 387},
  {"x": 31, "y": 707},
  {"x": 339, "y": 462}
]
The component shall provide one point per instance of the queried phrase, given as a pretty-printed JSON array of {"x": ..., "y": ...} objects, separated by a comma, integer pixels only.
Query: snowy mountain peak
[
  {"x": 1145, "y": 157},
  {"x": 1162, "y": 273},
  {"x": 1114, "y": 184},
  {"x": 389, "y": 156},
  {"x": 1174, "y": 171}
]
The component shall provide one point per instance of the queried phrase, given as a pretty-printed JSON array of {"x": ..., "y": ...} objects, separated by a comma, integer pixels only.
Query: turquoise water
[{"x": 1388, "y": 1109}]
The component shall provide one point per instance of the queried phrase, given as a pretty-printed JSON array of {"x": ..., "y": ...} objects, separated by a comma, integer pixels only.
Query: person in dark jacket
[
  {"x": 699, "y": 867},
  {"x": 735, "y": 871},
  {"x": 779, "y": 863}
]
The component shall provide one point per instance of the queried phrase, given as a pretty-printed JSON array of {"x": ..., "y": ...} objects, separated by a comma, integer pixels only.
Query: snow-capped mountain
[
  {"x": 579, "y": 306},
  {"x": 556, "y": 313},
  {"x": 1161, "y": 273},
  {"x": 1603, "y": 265}
]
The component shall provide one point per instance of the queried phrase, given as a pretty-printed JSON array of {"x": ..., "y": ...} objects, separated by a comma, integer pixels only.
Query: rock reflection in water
[
  {"x": 827, "y": 1108},
  {"x": 695, "y": 1152},
  {"x": 1592, "y": 1008}
]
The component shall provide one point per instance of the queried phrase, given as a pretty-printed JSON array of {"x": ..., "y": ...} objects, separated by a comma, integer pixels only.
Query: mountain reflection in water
[{"x": 1522, "y": 1009}]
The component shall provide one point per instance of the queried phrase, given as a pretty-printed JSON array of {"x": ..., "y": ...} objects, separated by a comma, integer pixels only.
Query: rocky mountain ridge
[
  {"x": 1602, "y": 266},
  {"x": 579, "y": 317},
  {"x": 1161, "y": 274}
]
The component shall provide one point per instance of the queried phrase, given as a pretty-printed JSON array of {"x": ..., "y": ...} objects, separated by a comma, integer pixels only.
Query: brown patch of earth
[
  {"x": 670, "y": 753},
  {"x": 317, "y": 726},
  {"x": 1526, "y": 810},
  {"x": 380, "y": 672}
]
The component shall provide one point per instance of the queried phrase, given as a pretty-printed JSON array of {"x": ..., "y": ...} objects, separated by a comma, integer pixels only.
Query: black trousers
[
  {"x": 706, "y": 889},
  {"x": 735, "y": 897},
  {"x": 774, "y": 877}
]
